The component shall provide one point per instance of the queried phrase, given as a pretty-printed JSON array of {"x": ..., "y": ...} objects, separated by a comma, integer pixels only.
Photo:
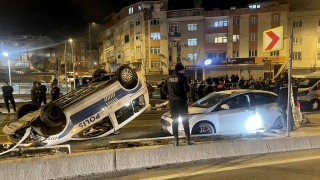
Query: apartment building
[
  {"x": 137, "y": 36},
  {"x": 233, "y": 40},
  {"x": 186, "y": 40},
  {"x": 306, "y": 41}
]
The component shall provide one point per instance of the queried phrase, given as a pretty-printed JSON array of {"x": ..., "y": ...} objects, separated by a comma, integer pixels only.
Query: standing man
[
  {"x": 282, "y": 90},
  {"x": 162, "y": 94},
  {"x": 35, "y": 94},
  {"x": 7, "y": 95},
  {"x": 55, "y": 92},
  {"x": 150, "y": 90},
  {"x": 42, "y": 90},
  {"x": 177, "y": 87}
]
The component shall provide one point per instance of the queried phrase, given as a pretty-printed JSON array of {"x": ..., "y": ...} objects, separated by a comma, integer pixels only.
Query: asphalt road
[{"x": 289, "y": 165}]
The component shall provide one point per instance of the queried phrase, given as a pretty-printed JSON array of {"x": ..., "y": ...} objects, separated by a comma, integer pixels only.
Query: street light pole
[
  {"x": 72, "y": 59},
  {"x": 9, "y": 72},
  {"x": 90, "y": 47},
  {"x": 65, "y": 65}
]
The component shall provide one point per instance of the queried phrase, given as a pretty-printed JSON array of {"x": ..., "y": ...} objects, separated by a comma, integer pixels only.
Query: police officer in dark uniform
[
  {"x": 282, "y": 90},
  {"x": 55, "y": 92},
  {"x": 7, "y": 95},
  {"x": 176, "y": 87}
]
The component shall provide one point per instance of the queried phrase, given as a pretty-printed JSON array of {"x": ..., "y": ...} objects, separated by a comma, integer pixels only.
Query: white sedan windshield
[{"x": 210, "y": 100}]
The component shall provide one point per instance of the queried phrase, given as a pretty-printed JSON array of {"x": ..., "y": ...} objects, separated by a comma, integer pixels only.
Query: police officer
[
  {"x": 7, "y": 95},
  {"x": 176, "y": 87},
  {"x": 282, "y": 90},
  {"x": 55, "y": 92}
]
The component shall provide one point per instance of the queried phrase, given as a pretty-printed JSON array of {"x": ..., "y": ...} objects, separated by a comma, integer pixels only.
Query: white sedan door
[
  {"x": 236, "y": 118},
  {"x": 266, "y": 108}
]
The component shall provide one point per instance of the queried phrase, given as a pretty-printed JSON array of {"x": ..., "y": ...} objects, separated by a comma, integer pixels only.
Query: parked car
[
  {"x": 309, "y": 91},
  {"x": 230, "y": 112},
  {"x": 98, "y": 109}
]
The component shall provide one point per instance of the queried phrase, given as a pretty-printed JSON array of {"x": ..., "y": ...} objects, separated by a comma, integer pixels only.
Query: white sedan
[{"x": 230, "y": 112}]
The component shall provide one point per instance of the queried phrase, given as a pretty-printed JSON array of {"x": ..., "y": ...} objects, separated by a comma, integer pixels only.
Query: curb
[{"x": 106, "y": 161}]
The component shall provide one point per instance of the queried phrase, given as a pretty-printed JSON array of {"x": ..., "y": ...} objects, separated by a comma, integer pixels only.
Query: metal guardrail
[{"x": 25, "y": 88}]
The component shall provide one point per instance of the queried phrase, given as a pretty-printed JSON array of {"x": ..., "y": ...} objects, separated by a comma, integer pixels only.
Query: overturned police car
[{"x": 98, "y": 109}]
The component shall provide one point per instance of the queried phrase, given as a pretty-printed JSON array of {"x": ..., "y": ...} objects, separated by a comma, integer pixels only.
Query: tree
[{"x": 39, "y": 62}]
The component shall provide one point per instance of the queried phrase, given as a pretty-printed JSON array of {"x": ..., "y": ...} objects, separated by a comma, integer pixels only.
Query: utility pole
[{"x": 289, "y": 109}]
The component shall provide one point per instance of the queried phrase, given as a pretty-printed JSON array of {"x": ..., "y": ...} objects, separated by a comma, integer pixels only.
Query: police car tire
[
  {"x": 25, "y": 109},
  {"x": 97, "y": 73},
  {"x": 127, "y": 77},
  {"x": 52, "y": 115}
]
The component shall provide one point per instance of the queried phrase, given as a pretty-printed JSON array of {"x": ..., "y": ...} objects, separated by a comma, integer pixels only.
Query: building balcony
[
  {"x": 174, "y": 34},
  {"x": 214, "y": 30},
  {"x": 215, "y": 46},
  {"x": 185, "y": 13}
]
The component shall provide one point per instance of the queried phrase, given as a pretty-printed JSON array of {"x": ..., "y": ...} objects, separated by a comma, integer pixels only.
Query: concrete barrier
[
  {"x": 54, "y": 167},
  {"x": 288, "y": 144},
  {"x": 143, "y": 157}
]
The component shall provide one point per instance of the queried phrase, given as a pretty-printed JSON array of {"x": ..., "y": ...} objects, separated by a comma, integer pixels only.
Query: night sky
[{"x": 60, "y": 19}]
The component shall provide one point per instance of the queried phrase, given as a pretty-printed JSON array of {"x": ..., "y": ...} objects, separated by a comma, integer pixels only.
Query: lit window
[
  {"x": 154, "y": 36},
  {"x": 235, "y": 38},
  {"x": 192, "y": 27},
  {"x": 53, "y": 55},
  {"x": 155, "y": 50},
  {"x": 130, "y": 10},
  {"x": 192, "y": 57},
  {"x": 192, "y": 42},
  {"x": 15, "y": 44},
  {"x": 47, "y": 54},
  {"x": 254, "y": 6},
  {"x": 221, "y": 39},
  {"x": 221, "y": 24}
]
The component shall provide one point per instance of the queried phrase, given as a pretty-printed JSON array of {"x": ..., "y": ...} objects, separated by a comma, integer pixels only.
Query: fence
[{"x": 25, "y": 88}]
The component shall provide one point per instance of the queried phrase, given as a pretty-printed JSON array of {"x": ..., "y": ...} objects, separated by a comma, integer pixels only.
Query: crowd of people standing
[{"x": 220, "y": 83}]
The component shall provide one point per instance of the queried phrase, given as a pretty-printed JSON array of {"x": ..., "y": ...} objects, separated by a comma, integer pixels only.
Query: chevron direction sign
[{"x": 273, "y": 39}]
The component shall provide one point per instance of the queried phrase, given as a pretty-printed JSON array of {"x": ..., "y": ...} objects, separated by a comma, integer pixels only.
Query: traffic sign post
[{"x": 273, "y": 39}]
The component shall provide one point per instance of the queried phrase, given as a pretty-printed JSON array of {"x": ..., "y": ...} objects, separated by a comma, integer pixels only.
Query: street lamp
[
  {"x": 90, "y": 46},
  {"x": 6, "y": 55},
  {"x": 72, "y": 59}
]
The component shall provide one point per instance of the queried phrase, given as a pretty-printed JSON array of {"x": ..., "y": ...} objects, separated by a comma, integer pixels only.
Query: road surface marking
[{"x": 221, "y": 169}]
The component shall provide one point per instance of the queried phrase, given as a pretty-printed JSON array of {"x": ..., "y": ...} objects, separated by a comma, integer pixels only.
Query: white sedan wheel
[{"x": 204, "y": 128}]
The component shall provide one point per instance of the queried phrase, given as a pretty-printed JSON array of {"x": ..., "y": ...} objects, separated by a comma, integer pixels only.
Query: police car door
[{"x": 235, "y": 119}]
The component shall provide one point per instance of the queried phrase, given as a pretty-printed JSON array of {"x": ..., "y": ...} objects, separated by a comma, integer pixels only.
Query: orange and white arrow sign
[{"x": 273, "y": 39}]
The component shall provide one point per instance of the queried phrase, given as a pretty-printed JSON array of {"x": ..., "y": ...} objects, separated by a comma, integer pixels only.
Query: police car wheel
[
  {"x": 127, "y": 77},
  {"x": 25, "y": 109},
  {"x": 52, "y": 115},
  {"x": 97, "y": 73}
]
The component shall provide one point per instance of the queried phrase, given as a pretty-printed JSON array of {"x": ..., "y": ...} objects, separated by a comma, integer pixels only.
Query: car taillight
[{"x": 298, "y": 104}]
